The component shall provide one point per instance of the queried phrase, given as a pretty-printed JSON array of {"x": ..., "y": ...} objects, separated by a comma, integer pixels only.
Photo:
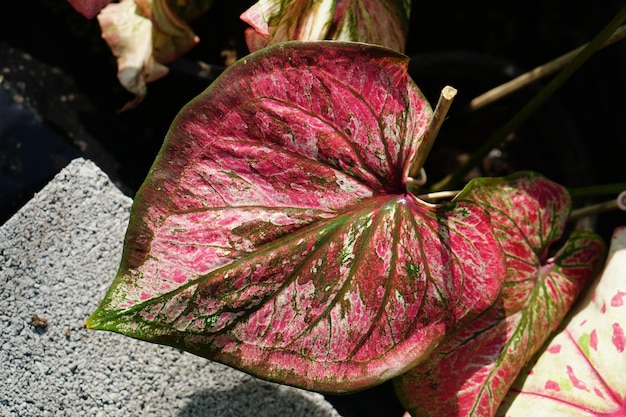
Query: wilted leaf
[
  {"x": 89, "y": 8},
  {"x": 471, "y": 371},
  {"x": 379, "y": 22},
  {"x": 582, "y": 370},
  {"x": 275, "y": 234},
  {"x": 171, "y": 34},
  {"x": 143, "y": 35},
  {"x": 129, "y": 35}
]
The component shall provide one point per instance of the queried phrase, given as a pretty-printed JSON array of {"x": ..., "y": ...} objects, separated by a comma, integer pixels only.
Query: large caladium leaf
[
  {"x": 380, "y": 22},
  {"x": 471, "y": 371},
  {"x": 89, "y": 8},
  {"x": 582, "y": 370},
  {"x": 144, "y": 34},
  {"x": 275, "y": 234}
]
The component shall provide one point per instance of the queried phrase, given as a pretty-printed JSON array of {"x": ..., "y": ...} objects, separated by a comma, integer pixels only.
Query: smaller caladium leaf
[
  {"x": 275, "y": 21},
  {"x": 582, "y": 372},
  {"x": 129, "y": 35},
  {"x": 143, "y": 35},
  {"x": 480, "y": 361},
  {"x": 89, "y": 8},
  {"x": 275, "y": 233}
]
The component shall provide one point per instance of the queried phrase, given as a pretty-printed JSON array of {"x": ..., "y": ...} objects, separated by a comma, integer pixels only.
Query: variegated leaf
[
  {"x": 379, "y": 22},
  {"x": 480, "y": 362},
  {"x": 275, "y": 234},
  {"x": 581, "y": 372}
]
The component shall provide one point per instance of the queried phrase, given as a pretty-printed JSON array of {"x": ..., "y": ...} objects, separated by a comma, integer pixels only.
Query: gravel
[{"x": 58, "y": 255}]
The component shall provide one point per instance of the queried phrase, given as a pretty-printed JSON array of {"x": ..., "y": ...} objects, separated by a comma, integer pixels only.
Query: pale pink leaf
[
  {"x": 129, "y": 35},
  {"x": 581, "y": 372}
]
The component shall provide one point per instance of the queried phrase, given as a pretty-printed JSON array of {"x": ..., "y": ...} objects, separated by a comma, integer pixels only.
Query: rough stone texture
[{"x": 58, "y": 255}]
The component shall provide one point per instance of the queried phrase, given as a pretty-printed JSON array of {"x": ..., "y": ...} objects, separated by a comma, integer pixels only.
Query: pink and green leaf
[
  {"x": 581, "y": 372},
  {"x": 274, "y": 232},
  {"x": 480, "y": 362},
  {"x": 275, "y": 21}
]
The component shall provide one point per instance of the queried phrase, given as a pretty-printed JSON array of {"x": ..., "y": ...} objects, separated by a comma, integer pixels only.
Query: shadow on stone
[{"x": 255, "y": 398}]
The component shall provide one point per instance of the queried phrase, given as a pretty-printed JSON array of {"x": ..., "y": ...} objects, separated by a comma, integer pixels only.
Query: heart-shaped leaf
[
  {"x": 275, "y": 21},
  {"x": 582, "y": 370},
  {"x": 275, "y": 234},
  {"x": 471, "y": 371}
]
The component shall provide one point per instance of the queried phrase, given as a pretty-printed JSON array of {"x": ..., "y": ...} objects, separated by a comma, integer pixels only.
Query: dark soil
[{"x": 59, "y": 98}]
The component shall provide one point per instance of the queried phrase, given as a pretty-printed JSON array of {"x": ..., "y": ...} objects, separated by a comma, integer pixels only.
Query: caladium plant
[
  {"x": 480, "y": 362},
  {"x": 145, "y": 34},
  {"x": 275, "y": 233},
  {"x": 581, "y": 372}
]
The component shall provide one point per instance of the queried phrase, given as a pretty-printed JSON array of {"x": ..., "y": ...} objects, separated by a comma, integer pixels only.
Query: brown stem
[
  {"x": 525, "y": 112},
  {"x": 439, "y": 195},
  {"x": 618, "y": 203},
  {"x": 443, "y": 105},
  {"x": 541, "y": 71}
]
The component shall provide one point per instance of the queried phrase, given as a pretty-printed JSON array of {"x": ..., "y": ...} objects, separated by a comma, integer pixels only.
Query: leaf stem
[
  {"x": 443, "y": 105},
  {"x": 618, "y": 203},
  {"x": 521, "y": 116},
  {"x": 537, "y": 73},
  {"x": 597, "y": 190},
  {"x": 439, "y": 195}
]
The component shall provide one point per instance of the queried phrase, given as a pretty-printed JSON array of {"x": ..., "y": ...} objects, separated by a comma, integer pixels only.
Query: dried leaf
[
  {"x": 144, "y": 34},
  {"x": 129, "y": 35},
  {"x": 172, "y": 36}
]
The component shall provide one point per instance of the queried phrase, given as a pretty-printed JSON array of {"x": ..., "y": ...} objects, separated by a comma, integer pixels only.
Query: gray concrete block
[{"x": 58, "y": 255}]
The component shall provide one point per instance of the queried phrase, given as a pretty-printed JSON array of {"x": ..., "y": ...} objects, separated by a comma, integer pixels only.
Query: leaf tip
[
  {"x": 93, "y": 321},
  {"x": 100, "y": 319}
]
